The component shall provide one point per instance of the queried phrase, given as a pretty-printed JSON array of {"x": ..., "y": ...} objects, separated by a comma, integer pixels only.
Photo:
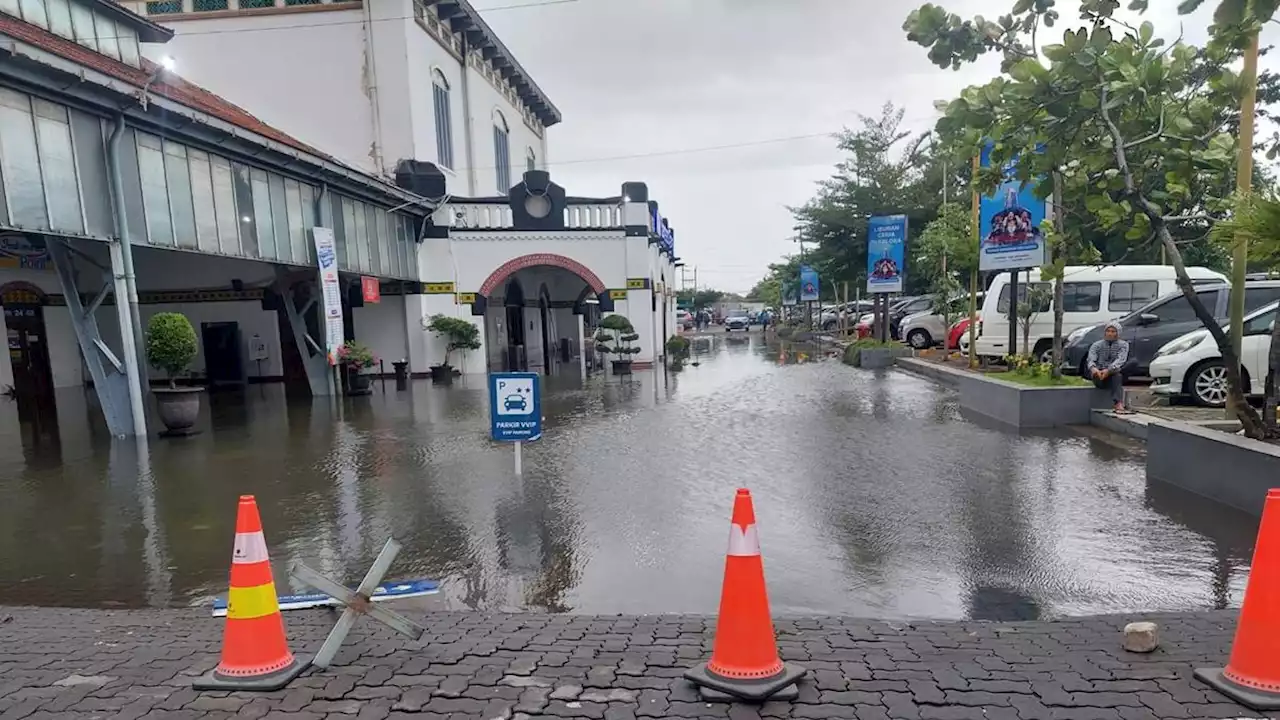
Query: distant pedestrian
[
  {"x": 764, "y": 321},
  {"x": 1109, "y": 365}
]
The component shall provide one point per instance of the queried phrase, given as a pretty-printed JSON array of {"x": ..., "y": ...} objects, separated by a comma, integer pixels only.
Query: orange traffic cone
[
  {"x": 744, "y": 660},
  {"x": 255, "y": 652},
  {"x": 1252, "y": 675}
]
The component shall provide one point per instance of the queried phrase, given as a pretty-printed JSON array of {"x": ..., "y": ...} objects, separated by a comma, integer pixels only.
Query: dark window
[
  {"x": 164, "y": 7},
  {"x": 502, "y": 154},
  {"x": 1128, "y": 296},
  {"x": 444, "y": 119},
  {"x": 1081, "y": 296},
  {"x": 1260, "y": 325},
  {"x": 1256, "y": 297},
  {"x": 301, "y": 2},
  {"x": 255, "y": 4},
  {"x": 209, "y": 5},
  {"x": 1178, "y": 310},
  {"x": 1045, "y": 289}
]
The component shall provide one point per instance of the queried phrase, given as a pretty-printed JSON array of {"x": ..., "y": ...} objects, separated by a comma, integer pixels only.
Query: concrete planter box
[
  {"x": 1230, "y": 469},
  {"x": 875, "y": 358},
  {"x": 1011, "y": 404}
]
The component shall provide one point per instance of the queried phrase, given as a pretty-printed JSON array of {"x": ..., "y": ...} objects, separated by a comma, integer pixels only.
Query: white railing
[{"x": 486, "y": 216}]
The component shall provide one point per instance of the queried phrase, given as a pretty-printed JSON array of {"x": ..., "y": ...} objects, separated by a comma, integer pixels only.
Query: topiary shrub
[
  {"x": 459, "y": 334},
  {"x": 171, "y": 344}
]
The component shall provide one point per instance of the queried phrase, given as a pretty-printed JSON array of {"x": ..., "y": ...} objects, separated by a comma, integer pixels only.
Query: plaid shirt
[{"x": 1104, "y": 355}]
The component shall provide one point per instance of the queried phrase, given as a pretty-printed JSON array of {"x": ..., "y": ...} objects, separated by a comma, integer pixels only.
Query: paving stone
[{"x": 566, "y": 692}]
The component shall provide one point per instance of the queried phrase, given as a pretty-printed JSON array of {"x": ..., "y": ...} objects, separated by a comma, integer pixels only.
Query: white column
[{"x": 584, "y": 343}]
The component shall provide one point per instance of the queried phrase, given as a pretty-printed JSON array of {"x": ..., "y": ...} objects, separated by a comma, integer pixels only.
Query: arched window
[
  {"x": 530, "y": 160},
  {"x": 502, "y": 152},
  {"x": 444, "y": 119}
]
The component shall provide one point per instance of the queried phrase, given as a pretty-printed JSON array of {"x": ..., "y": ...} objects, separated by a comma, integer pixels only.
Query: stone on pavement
[
  {"x": 1141, "y": 637},
  {"x": 60, "y": 663}
]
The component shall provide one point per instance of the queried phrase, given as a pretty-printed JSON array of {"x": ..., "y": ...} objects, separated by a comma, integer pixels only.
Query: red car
[{"x": 958, "y": 330}]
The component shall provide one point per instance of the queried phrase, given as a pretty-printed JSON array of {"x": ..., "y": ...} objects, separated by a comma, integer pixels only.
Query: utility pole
[{"x": 1244, "y": 184}]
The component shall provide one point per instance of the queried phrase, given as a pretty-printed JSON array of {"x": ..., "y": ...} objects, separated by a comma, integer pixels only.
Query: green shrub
[
  {"x": 459, "y": 334},
  {"x": 853, "y": 353},
  {"x": 678, "y": 347},
  {"x": 171, "y": 343}
]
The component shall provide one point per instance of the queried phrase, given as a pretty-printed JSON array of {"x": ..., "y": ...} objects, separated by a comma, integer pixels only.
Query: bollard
[{"x": 402, "y": 374}]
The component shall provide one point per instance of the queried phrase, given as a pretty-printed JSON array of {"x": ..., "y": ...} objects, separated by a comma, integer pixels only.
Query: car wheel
[
  {"x": 919, "y": 339},
  {"x": 829, "y": 325},
  {"x": 1044, "y": 353},
  {"x": 1208, "y": 384}
]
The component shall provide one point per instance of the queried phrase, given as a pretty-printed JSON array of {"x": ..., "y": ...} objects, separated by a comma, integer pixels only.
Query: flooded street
[{"x": 874, "y": 496}]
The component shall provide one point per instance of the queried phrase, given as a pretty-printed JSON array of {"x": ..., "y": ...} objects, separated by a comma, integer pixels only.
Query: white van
[{"x": 1091, "y": 295}]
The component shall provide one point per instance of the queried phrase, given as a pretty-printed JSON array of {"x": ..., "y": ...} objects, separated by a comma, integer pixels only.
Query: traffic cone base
[
  {"x": 723, "y": 689},
  {"x": 215, "y": 680},
  {"x": 1217, "y": 679}
]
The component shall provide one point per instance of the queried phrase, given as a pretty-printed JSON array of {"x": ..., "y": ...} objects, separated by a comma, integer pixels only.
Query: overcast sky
[{"x": 665, "y": 77}]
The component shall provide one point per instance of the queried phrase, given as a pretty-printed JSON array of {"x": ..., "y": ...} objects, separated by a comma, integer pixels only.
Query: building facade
[
  {"x": 372, "y": 83},
  {"x": 125, "y": 191}
]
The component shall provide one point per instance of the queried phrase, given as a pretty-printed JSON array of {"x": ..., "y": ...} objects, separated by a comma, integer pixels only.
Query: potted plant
[
  {"x": 458, "y": 334},
  {"x": 677, "y": 351},
  {"x": 171, "y": 346},
  {"x": 357, "y": 358},
  {"x": 615, "y": 338}
]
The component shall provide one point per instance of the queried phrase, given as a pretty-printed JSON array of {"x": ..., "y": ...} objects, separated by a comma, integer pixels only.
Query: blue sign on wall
[
  {"x": 515, "y": 407},
  {"x": 886, "y": 253},
  {"x": 809, "y": 287},
  {"x": 1010, "y": 224}
]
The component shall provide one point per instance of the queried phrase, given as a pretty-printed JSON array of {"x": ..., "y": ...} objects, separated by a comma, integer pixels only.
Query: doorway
[
  {"x": 223, "y": 362},
  {"x": 544, "y": 314},
  {"x": 514, "y": 302},
  {"x": 28, "y": 343}
]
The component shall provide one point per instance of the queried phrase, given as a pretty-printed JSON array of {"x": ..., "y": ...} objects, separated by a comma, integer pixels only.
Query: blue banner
[
  {"x": 809, "y": 287},
  {"x": 886, "y": 253},
  {"x": 1009, "y": 222}
]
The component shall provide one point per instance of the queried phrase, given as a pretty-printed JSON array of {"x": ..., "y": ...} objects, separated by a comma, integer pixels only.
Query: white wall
[
  {"x": 381, "y": 327},
  {"x": 317, "y": 57},
  {"x": 424, "y": 54},
  {"x": 485, "y": 100}
]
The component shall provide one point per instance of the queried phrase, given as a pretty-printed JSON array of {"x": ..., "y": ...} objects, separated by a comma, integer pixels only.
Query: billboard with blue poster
[
  {"x": 809, "y": 287},
  {"x": 1009, "y": 222},
  {"x": 886, "y": 253}
]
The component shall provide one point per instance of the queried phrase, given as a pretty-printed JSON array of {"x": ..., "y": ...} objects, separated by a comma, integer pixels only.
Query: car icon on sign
[{"x": 516, "y": 402}]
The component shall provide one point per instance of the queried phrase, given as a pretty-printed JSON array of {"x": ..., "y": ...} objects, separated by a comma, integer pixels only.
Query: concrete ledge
[
  {"x": 1227, "y": 468},
  {"x": 875, "y": 358},
  {"x": 1135, "y": 426},
  {"x": 1012, "y": 404}
]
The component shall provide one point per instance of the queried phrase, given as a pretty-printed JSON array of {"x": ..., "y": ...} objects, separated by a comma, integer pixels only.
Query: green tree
[
  {"x": 1135, "y": 132},
  {"x": 946, "y": 254},
  {"x": 697, "y": 299}
]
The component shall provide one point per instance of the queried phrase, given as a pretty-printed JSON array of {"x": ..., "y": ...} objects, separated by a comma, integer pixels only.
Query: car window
[
  {"x": 1256, "y": 297},
  {"x": 1002, "y": 306},
  {"x": 1261, "y": 324},
  {"x": 1081, "y": 296},
  {"x": 1126, "y": 296},
  {"x": 919, "y": 305},
  {"x": 1178, "y": 310}
]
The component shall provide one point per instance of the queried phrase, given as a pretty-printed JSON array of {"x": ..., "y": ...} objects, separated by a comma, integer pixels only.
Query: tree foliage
[
  {"x": 171, "y": 343},
  {"x": 1137, "y": 131}
]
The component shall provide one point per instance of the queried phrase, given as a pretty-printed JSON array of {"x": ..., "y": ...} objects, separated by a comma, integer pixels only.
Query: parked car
[
  {"x": 830, "y": 319},
  {"x": 1158, "y": 323},
  {"x": 684, "y": 319},
  {"x": 737, "y": 322},
  {"x": 1091, "y": 295},
  {"x": 958, "y": 335},
  {"x": 926, "y": 329},
  {"x": 1191, "y": 365}
]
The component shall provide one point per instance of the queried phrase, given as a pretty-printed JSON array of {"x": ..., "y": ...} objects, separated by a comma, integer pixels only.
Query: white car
[
  {"x": 925, "y": 329},
  {"x": 1191, "y": 365}
]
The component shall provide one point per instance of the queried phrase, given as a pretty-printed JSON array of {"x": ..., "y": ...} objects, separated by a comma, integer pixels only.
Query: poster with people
[
  {"x": 809, "y": 288},
  {"x": 886, "y": 253},
  {"x": 1010, "y": 224}
]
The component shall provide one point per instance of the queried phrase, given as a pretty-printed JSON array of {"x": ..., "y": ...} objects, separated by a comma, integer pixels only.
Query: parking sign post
[{"x": 515, "y": 410}]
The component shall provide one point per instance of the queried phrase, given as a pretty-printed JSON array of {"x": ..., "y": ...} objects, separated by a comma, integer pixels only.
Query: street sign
[
  {"x": 371, "y": 288},
  {"x": 515, "y": 407},
  {"x": 886, "y": 253}
]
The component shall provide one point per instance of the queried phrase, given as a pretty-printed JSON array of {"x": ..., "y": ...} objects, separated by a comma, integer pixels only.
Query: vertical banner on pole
[
  {"x": 330, "y": 291},
  {"x": 1009, "y": 222},
  {"x": 886, "y": 254}
]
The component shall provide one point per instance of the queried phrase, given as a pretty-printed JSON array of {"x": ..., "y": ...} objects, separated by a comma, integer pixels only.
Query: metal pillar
[
  {"x": 116, "y": 382},
  {"x": 315, "y": 364},
  {"x": 130, "y": 287}
]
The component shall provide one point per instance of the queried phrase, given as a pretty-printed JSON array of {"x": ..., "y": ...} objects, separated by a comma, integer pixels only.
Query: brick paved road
[{"x": 131, "y": 664}]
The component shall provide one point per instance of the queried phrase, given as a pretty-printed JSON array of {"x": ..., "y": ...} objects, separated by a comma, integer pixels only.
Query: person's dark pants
[{"x": 1114, "y": 383}]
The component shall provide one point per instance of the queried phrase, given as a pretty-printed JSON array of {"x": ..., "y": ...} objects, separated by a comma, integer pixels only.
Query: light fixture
[{"x": 246, "y": 218}]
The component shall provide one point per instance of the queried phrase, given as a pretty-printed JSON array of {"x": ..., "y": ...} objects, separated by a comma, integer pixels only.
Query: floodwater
[{"x": 875, "y": 497}]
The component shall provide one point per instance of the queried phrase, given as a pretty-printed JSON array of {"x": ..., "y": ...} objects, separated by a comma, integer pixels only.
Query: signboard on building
[
  {"x": 19, "y": 251},
  {"x": 809, "y": 287},
  {"x": 515, "y": 407},
  {"x": 1009, "y": 223},
  {"x": 666, "y": 236},
  {"x": 886, "y": 254},
  {"x": 371, "y": 288},
  {"x": 330, "y": 291}
]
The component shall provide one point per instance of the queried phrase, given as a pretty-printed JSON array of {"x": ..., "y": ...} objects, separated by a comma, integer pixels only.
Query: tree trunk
[
  {"x": 1058, "y": 292},
  {"x": 1273, "y": 370},
  {"x": 1026, "y": 337}
]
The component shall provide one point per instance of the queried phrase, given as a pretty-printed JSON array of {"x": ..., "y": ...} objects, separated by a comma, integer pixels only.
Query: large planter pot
[
  {"x": 359, "y": 383},
  {"x": 621, "y": 367},
  {"x": 178, "y": 408},
  {"x": 442, "y": 374}
]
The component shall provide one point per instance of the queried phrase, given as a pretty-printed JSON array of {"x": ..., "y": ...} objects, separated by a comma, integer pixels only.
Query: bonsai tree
[
  {"x": 678, "y": 349},
  {"x": 457, "y": 333},
  {"x": 171, "y": 344},
  {"x": 615, "y": 337},
  {"x": 356, "y": 356}
]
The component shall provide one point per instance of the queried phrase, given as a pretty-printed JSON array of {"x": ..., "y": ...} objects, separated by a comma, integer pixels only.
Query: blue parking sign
[{"x": 515, "y": 407}]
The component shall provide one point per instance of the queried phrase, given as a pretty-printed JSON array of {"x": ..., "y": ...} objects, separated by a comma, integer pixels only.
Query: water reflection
[{"x": 875, "y": 498}]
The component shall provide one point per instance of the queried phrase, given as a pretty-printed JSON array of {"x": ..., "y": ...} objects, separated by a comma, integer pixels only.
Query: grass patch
[
  {"x": 853, "y": 353},
  {"x": 1026, "y": 370}
]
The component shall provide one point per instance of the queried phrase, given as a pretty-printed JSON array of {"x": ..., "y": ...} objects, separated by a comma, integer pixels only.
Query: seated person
[{"x": 1109, "y": 365}]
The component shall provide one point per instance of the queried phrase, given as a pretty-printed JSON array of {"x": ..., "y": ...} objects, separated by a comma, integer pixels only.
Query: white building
[{"x": 370, "y": 83}]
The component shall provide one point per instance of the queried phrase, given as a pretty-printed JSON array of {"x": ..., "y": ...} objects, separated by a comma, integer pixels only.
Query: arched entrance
[
  {"x": 28, "y": 343},
  {"x": 532, "y": 307}
]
